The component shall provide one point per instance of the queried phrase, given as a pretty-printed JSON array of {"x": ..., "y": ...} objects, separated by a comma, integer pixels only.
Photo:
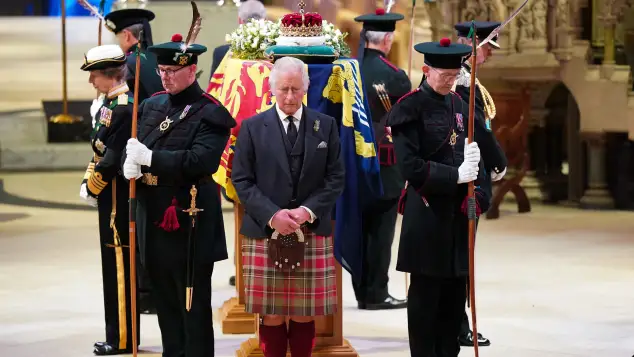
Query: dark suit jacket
[
  {"x": 219, "y": 54},
  {"x": 262, "y": 177}
]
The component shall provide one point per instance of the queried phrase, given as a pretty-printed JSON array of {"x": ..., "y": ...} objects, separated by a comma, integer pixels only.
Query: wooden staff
[
  {"x": 471, "y": 194},
  {"x": 64, "y": 71},
  {"x": 135, "y": 113}
]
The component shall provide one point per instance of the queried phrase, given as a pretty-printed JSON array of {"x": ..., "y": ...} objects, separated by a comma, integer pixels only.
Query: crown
[{"x": 300, "y": 24}]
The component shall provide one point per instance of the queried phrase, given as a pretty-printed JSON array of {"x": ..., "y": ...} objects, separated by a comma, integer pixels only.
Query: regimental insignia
[
  {"x": 122, "y": 99},
  {"x": 165, "y": 124},
  {"x": 105, "y": 116},
  {"x": 459, "y": 122},
  {"x": 452, "y": 139},
  {"x": 99, "y": 145},
  {"x": 316, "y": 125},
  {"x": 181, "y": 58}
]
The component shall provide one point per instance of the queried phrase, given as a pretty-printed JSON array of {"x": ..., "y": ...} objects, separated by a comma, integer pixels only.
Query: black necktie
[{"x": 291, "y": 132}]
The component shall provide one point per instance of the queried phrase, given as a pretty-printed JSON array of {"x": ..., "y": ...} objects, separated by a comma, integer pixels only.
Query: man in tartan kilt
[{"x": 288, "y": 174}]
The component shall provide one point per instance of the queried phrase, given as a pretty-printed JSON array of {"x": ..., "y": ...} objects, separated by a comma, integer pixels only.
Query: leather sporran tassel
[{"x": 170, "y": 218}]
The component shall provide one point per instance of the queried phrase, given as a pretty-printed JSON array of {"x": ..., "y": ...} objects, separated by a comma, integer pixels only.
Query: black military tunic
[
  {"x": 379, "y": 218},
  {"x": 149, "y": 81},
  {"x": 105, "y": 182},
  {"x": 429, "y": 133},
  {"x": 187, "y": 133}
]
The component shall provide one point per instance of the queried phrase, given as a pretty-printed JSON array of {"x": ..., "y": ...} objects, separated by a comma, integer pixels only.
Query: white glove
[
  {"x": 498, "y": 177},
  {"x": 131, "y": 169},
  {"x": 471, "y": 152},
  {"x": 94, "y": 108},
  {"x": 138, "y": 153},
  {"x": 83, "y": 193}
]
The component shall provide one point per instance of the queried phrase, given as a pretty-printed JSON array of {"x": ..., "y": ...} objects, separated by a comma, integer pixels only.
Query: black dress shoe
[
  {"x": 388, "y": 304},
  {"x": 466, "y": 340},
  {"x": 232, "y": 281},
  {"x": 106, "y": 349}
]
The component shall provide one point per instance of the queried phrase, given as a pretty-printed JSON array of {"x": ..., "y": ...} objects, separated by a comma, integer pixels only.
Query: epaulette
[
  {"x": 157, "y": 93},
  {"x": 211, "y": 98},
  {"x": 388, "y": 63},
  {"x": 408, "y": 94},
  {"x": 123, "y": 99}
]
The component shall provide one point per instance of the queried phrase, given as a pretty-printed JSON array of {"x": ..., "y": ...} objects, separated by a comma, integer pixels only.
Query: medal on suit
[
  {"x": 165, "y": 124},
  {"x": 452, "y": 139},
  {"x": 459, "y": 122},
  {"x": 316, "y": 126}
]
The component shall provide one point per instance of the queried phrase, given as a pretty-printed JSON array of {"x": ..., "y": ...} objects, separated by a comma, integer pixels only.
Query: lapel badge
[
  {"x": 452, "y": 139},
  {"x": 165, "y": 124},
  {"x": 316, "y": 125},
  {"x": 488, "y": 124},
  {"x": 184, "y": 113},
  {"x": 459, "y": 121}
]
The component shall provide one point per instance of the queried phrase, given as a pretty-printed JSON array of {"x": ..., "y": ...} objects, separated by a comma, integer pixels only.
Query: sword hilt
[{"x": 193, "y": 210}]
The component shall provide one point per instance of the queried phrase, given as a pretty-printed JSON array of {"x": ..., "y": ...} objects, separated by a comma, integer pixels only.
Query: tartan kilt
[{"x": 309, "y": 291}]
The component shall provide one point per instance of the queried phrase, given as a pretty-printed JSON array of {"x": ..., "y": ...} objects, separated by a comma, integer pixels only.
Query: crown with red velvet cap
[
  {"x": 380, "y": 21},
  {"x": 301, "y": 24}
]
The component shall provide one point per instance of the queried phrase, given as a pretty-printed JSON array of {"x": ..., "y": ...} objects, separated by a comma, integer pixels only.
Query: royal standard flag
[{"x": 336, "y": 90}]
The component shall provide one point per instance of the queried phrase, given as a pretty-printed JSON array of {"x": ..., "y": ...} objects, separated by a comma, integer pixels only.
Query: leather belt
[{"x": 152, "y": 180}]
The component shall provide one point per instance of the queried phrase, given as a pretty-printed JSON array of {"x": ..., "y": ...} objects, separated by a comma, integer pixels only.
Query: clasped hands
[
  {"x": 83, "y": 193},
  {"x": 468, "y": 170},
  {"x": 137, "y": 155},
  {"x": 287, "y": 221}
]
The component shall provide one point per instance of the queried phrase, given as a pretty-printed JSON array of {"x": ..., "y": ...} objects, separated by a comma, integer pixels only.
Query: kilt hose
[{"x": 308, "y": 291}]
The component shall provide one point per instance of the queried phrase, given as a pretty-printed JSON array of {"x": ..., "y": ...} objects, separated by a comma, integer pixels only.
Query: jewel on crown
[{"x": 301, "y": 24}]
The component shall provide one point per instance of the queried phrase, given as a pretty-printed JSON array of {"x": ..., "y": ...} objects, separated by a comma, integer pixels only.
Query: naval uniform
[
  {"x": 105, "y": 182},
  {"x": 379, "y": 217}
]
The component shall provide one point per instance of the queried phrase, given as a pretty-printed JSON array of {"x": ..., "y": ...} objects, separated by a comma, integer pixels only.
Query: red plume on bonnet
[
  {"x": 380, "y": 11},
  {"x": 445, "y": 42},
  {"x": 177, "y": 37}
]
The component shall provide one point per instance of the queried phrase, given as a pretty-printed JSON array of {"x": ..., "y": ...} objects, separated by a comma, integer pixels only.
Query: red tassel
[
  {"x": 170, "y": 219},
  {"x": 465, "y": 206}
]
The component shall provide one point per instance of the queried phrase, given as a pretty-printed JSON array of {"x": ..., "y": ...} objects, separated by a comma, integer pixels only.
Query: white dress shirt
[{"x": 297, "y": 116}]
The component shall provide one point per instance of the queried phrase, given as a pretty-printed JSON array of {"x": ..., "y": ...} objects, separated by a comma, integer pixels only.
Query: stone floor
[{"x": 555, "y": 282}]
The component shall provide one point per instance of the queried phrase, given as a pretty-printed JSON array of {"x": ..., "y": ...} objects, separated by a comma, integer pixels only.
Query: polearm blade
[
  {"x": 497, "y": 30},
  {"x": 471, "y": 211},
  {"x": 191, "y": 248}
]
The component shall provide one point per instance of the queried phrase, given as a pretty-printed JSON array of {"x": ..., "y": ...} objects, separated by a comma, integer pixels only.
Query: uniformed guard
[
  {"x": 429, "y": 128},
  {"x": 493, "y": 156},
  {"x": 132, "y": 26},
  {"x": 181, "y": 136},
  {"x": 384, "y": 84},
  {"x": 104, "y": 186}
]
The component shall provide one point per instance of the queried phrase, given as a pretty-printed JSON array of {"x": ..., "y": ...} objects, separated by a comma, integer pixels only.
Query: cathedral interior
[{"x": 554, "y": 254}]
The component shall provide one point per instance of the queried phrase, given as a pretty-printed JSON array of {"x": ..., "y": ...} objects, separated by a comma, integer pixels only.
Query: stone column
[
  {"x": 596, "y": 195},
  {"x": 531, "y": 183}
]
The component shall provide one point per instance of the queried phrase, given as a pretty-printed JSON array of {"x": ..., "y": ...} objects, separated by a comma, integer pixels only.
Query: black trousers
[
  {"x": 115, "y": 271},
  {"x": 183, "y": 333},
  {"x": 379, "y": 224},
  {"x": 434, "y": 314}
]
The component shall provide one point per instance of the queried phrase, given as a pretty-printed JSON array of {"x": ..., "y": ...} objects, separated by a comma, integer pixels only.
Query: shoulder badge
[
  {"x": 159, "y": 93},
  {"x": 99, "y": 145},
  {"x": 211, "y": 98},
  {"x": 408, "y": 94},
  {"x": 388, "y": 63},
  {"x": 122, "y": 99},
  {"x": 105, "y": 117}
]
